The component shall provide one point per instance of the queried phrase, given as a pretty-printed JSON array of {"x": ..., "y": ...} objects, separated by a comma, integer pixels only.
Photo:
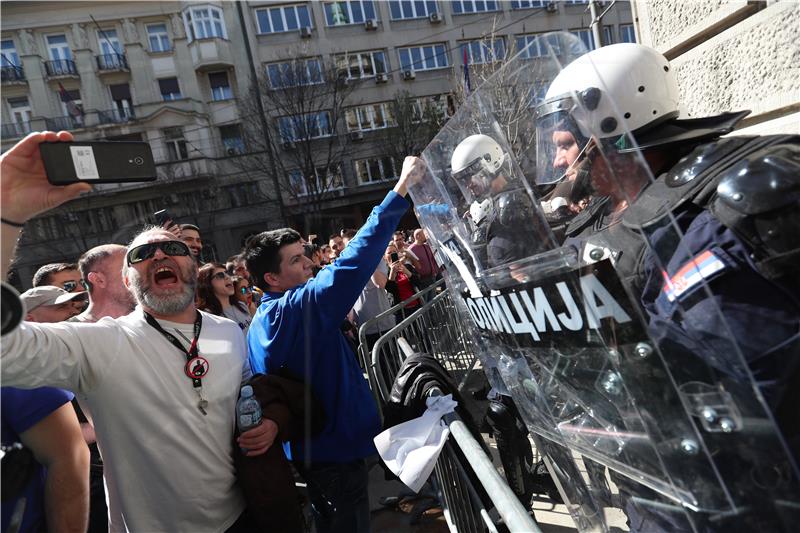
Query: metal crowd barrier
[
  {"x": 474, "y": 496},
  {"x": 433, "y": 329}
]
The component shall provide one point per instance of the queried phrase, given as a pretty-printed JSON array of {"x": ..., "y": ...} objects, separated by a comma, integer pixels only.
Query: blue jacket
[{"x": 298, "y": 330}]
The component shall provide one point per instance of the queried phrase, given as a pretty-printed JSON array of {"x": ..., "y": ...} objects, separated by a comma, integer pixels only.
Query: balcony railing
[
  {"x": 16, "y": 129},
  {"x": 112, "y": 62},
  {"x": 64, "y": 123},
  {"x": 12, "y": 73},
  {"x": 115, "y": 116},
  {"x": 61, "y": 67}
]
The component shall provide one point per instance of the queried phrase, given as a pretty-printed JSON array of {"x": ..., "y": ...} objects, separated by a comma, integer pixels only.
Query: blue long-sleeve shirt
[{"x": 299, "y": 330}]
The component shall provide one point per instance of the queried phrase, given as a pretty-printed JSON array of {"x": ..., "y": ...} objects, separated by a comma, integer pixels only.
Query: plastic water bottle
[{"x": 248, "y": 410}]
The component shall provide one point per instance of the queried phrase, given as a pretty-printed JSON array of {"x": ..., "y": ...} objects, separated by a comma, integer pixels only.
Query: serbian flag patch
[{"x": 691, "y": 274}]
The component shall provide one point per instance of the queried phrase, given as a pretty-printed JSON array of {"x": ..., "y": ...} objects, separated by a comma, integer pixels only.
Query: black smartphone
[
  {"x": 97, "y": 162},
  {"x": 161, "y": 217},
  {"x": 394, "y": 257}
]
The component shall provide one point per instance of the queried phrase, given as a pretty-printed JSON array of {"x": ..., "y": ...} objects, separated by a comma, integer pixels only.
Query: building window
[
  {"x": 369, "y": 117},
  {"x": 305, "y": 127},
  {"x": 362, "y": 64},
  {"x": 204, "y": 22},
  {"x": 220, "y": 88},
  {"x": 586, "y": 37},
  {"x": 484, "y": 51},
  {"x": 376, "y": 169},
  {"x": 294, "y": 73},
  {"x": 608, "y": 35},
  {"x": 21, "y": 117},
  {"x": 170, "y": 90},
  {"x": 428, "y": 57},
  {"x": 577, "y": 1},
  {"x": 313, "y": 184},
  {"x": 57, "y": 47},
  {"x": 412, "y": 10},
  {"x": 350, "y": 12},
  {"x": 176, "y": 144},
  {"x": 158, "y": 37},
  {"x": 109, "y": 43},
  {"x": 9, "y": 57},
  {"x": 232, "y": 140},
  {"x": 626, "y": 33},
  {"x": 527, "y": 4},
  {"x": 538, "y": 45},
  {"x": 283, "y": 18},
  {"x": 121, "y": 95},
  {"x": 439, "y": 105},
  {"x": 473, "y": 6}
]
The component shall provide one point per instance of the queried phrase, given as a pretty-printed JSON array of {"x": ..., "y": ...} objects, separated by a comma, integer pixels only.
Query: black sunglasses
[
  {"x": 146, "y": 251},
  {"x": 220, "y": 275},
  {"x": 69, "y": 286}
]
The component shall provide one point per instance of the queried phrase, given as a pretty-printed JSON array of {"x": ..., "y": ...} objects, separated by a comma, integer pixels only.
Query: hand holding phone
[
  {"x": 394, "y": 257},
  {"x": 162, "y": 217},
  {"x": 97, "y": 162}
]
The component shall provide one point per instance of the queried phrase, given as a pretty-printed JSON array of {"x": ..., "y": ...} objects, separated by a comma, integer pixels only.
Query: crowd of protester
[{"x": 158, "y": 421}]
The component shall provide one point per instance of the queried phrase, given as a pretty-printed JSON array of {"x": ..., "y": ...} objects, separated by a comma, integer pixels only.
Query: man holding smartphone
[{"x": 166, "y": 434}]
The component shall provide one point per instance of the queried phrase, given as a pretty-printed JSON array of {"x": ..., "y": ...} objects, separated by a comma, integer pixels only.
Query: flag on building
[{"x": 73, "y": 108}]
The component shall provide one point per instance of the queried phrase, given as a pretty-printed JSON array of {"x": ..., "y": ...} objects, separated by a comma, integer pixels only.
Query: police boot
[{"x": 514, "y": 448}]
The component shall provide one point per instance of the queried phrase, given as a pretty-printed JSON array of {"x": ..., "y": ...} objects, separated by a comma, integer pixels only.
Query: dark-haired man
[
  {"x": 296, "y": 332},
  {"x": 63, "y": 275},
  {"x": 190, "y": 235}
]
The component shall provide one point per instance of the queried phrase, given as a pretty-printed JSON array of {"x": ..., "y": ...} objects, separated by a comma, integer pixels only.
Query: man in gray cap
[{"x": 50, "y": 304}]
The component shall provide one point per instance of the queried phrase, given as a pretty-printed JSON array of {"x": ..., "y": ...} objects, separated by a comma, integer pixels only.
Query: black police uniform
[{"x": 736, "y": 203}]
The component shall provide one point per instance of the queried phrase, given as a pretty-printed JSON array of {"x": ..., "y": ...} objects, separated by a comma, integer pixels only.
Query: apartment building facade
[{"x": 175, "y": 74}]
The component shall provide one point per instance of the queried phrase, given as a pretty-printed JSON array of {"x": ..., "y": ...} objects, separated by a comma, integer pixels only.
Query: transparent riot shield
[{"x": 621, "y": 336}]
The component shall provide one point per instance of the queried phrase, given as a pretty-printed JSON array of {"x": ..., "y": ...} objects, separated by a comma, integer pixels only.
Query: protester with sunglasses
[
  {"x": 216, "y": 294},
  {"x": 161, "y": 383},
  {"x": 244, "y": 293},
  {"x": 65, "y": 276}
]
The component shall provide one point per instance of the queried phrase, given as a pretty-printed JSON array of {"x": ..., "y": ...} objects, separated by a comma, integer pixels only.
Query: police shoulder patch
[{"x": 693, "y": 273}]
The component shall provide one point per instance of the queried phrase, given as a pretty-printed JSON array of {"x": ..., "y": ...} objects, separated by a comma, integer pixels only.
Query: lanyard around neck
[{"x": 191, "y": 354}]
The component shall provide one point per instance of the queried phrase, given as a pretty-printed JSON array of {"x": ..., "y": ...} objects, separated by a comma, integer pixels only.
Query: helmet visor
[{"x": 559, "y": 146}]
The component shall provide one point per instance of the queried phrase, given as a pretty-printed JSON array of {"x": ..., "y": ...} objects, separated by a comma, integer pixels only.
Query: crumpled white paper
[{"x": 410, "y": 449}]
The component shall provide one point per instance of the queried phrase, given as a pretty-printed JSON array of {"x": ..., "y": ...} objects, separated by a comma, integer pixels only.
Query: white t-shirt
[{"x": 167, "y": 466}]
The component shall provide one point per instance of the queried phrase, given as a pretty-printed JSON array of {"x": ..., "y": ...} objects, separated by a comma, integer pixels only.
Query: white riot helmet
[
  {"x": 614, "y": 89},
  {"x": 475, "y": 162}
]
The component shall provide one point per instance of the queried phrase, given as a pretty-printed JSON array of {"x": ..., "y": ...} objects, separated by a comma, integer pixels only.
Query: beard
[{"x": 165, "y": 304}]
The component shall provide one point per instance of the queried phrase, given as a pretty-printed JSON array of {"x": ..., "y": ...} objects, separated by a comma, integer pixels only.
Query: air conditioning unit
[
  {"x": 356, "y": 136},
  {"x": 371, "y": 24},
  {"x": 381, "y": 78},
  {"x": 409, "y": 75},
  {"x": 552, "y": 7},
  {"x": 289, "y": 145},
  {"x": 435, "y": 18},
  {"x": 173, "y": 199},
  {"x": 305, "y": 32}
]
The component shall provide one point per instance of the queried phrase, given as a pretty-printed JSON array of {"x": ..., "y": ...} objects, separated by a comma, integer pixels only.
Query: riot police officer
[
  {"x": 498, "y": 201},
  {"x": 702, "y": 230}
]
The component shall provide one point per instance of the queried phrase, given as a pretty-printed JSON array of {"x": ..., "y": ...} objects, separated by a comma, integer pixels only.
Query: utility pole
[
  {"x": 596, "y": 24},
  {"x": 261, "y": 114}
]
